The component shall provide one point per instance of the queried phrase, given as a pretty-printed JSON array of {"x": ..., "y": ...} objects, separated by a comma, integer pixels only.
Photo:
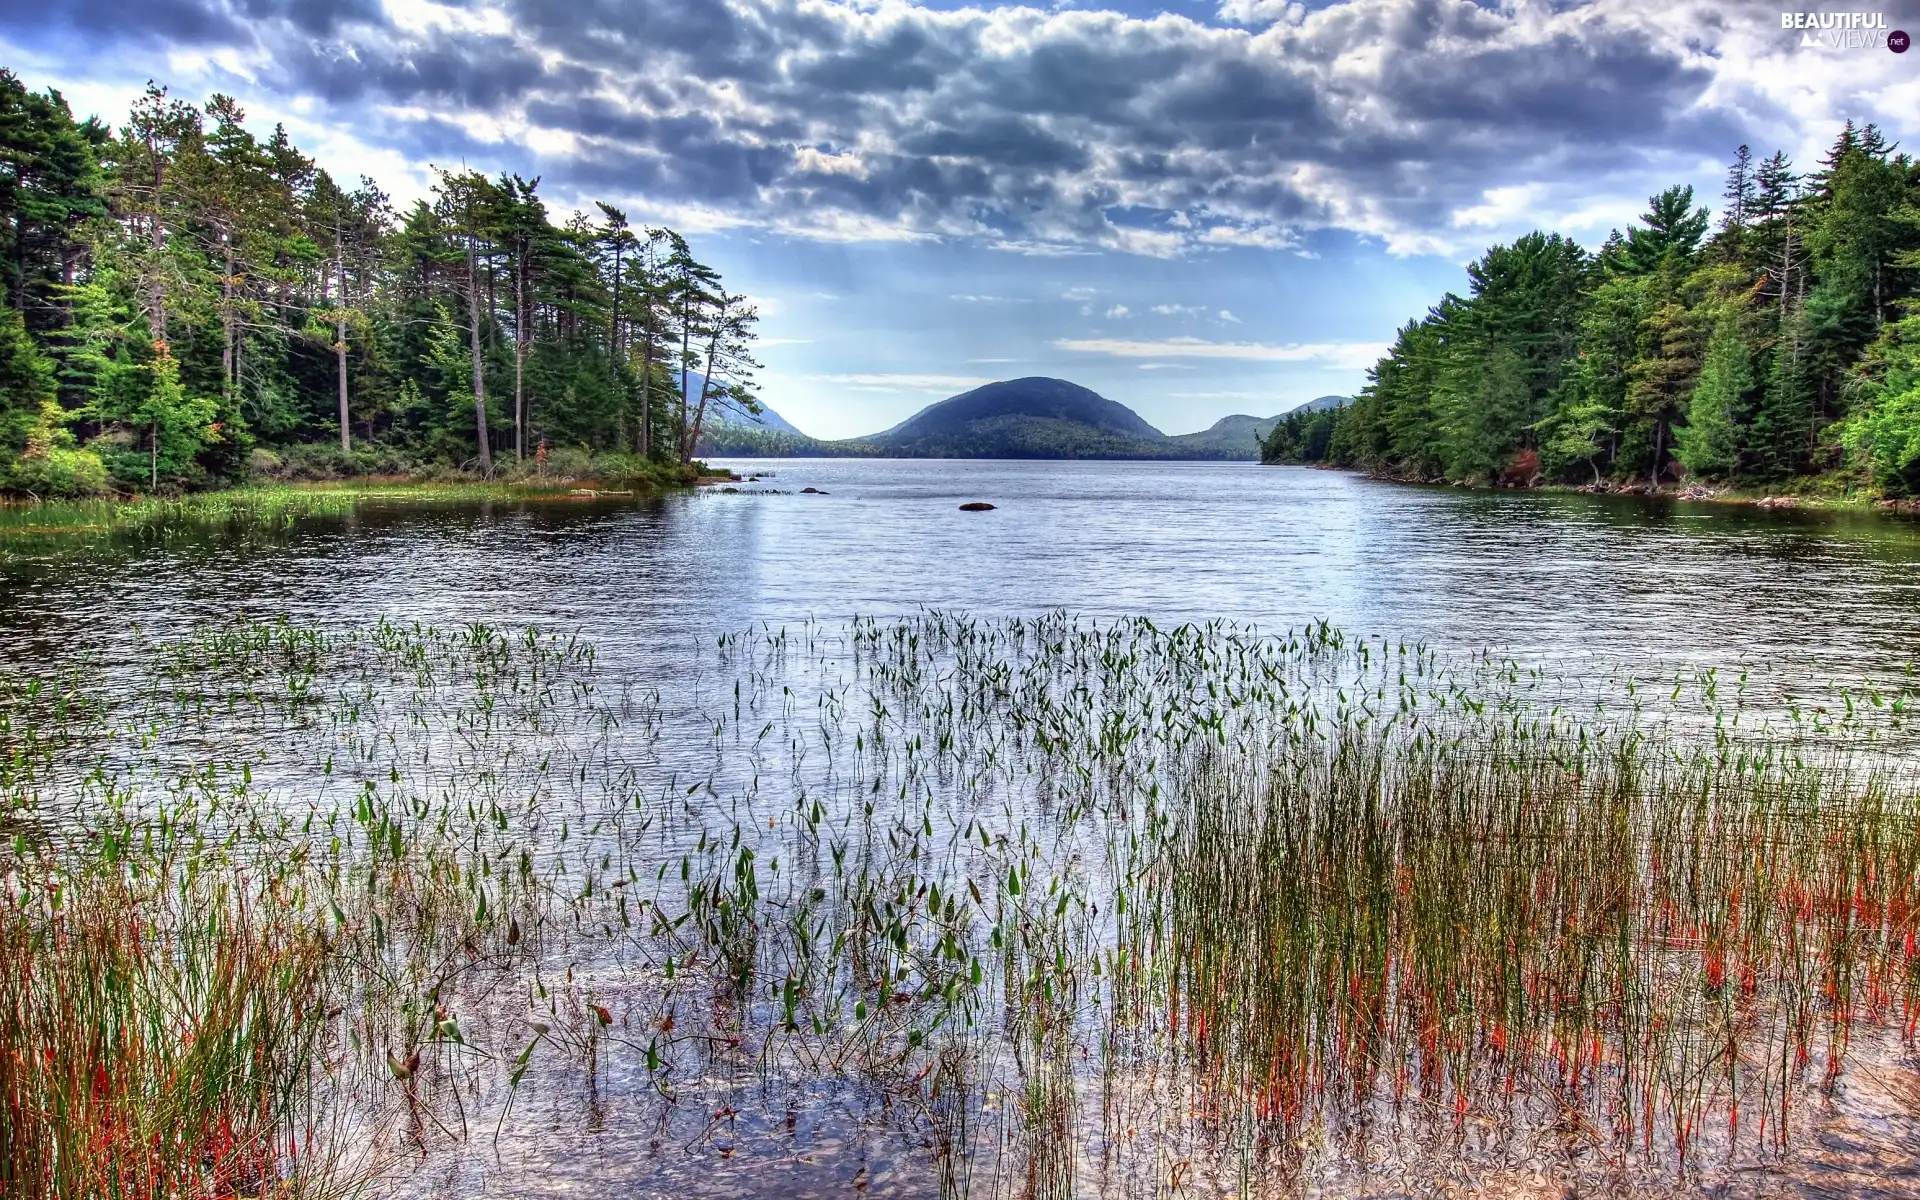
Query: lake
[
  {"x": 881, "y": 898},
  {"x": 1564, "y": 580}
]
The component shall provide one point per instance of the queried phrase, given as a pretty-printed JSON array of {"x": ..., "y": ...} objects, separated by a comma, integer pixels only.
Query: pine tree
[
  {"x": 1740, "y": 192},
  {"x": 1708, "y": 445}
]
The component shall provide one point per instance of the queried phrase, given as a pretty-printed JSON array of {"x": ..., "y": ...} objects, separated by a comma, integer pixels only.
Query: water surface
[{"x": 1559, "y": 580}]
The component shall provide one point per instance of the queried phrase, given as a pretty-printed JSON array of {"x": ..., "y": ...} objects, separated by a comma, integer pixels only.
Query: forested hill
[
  {"x": 1777, "y": 346},
  {"x": 186, "y": 298},
  {"x": 1023, "y": 418},
  {"x": 1035, "y": 417}
]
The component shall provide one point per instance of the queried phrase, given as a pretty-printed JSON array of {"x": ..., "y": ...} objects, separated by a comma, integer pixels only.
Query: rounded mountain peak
[{"x": 1035, "y": 396}]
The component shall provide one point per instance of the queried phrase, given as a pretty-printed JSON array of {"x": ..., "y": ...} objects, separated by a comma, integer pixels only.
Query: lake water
[
  {"x": 1579, "y": 585},
  {"x": 1564, "y": 581}
]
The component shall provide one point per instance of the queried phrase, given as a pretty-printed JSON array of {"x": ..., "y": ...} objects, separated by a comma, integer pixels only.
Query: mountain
[
  {"x": 733, "y": 431},
  {"x": 1319, "y": 403},
  {"x": 1024, "y": 418},
  {"x": 766, "y": 419},
  {"x": 1237, "y": 437},
  {"x": 723, "y": 411},
  {"x": 1035, "y": 417}
]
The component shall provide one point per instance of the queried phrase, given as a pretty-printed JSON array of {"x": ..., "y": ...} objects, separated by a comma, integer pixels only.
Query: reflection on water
[
  {"x": 1570, "y": 582},
  {"x": 1553, "y": 579}
]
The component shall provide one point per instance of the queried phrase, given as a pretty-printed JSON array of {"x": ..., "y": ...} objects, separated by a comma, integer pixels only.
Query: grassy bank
[
  {"x": 1810, "y": 492},
  {"x": 1068, "y": 907},
  {"x": 279, "y": 504}
]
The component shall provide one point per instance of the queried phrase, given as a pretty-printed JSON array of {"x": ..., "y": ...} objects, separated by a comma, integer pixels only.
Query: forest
[
  {"x": 185, "y": 303},
  {"x": 1777, "y": 348}
]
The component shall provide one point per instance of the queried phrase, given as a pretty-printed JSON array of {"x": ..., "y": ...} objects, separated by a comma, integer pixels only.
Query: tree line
[
  {"x": 1778, "y": 347},
  {"x": 183, "y": 301}
]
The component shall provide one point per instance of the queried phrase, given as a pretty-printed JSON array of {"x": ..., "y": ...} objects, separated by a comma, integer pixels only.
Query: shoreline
[
  {"x": 1687, "y": 493},
  {"x": 286, "y": 500}
]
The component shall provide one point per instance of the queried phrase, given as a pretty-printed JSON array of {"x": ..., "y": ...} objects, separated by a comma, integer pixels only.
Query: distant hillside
[
  {"x": 1238, "y": 437},
  {"x": 1320, "y": 403},
  {"x": 732, "y": 430},
  {"x": 723, "y": 410},
  {"x": 1025, "y": 418},
  {"x": 1034, "y": 417}
]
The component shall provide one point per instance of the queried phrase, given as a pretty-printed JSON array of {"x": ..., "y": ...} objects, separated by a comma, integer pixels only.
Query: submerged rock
[
  {"x": 976, "y": 506},
  {"x": 814, "y": 492}
]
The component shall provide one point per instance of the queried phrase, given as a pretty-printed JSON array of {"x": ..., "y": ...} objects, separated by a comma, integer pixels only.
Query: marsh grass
[
  {"x": 153, "y": 1043},
  {"x": 69, "y": 525},
  {"x": 1076, "y": 907}
]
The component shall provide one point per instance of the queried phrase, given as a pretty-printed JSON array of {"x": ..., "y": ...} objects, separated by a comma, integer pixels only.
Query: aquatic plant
[{"x": 1076, "y": 906}]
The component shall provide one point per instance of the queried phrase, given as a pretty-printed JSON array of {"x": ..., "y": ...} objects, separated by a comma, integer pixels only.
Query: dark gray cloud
[{"x": 1389, "y": 117}]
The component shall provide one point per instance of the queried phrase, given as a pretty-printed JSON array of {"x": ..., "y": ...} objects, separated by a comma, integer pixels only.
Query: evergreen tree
[{"x": 1708, "y": 445}]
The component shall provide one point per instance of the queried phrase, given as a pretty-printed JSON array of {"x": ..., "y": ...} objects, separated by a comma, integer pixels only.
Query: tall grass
[
  {"x": 1075, "y": 907},
  {"x": 153, "y": 1042},
  {"x": 67, "y": 525}
]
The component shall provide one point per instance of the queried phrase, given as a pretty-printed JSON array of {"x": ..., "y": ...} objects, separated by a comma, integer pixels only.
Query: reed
[{"x": 1096, "y": 907}]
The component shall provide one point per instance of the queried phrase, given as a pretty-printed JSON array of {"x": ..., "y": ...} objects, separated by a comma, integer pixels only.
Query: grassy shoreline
[
  {"x": 1814, "y": 493},
  {"x": 276, "y": 503}
]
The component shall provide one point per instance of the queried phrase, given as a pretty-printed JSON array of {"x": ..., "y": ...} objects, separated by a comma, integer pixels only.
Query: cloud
[
  {"x": 1226, "y": 316},
  {"x": 943, "y": 384},
  {"x": 1118, "y": 310},
  {"x": 969, "y": 298},
  {"x": 1428, "y": 124},
  {"x": 1262, "y": 12},
  {"x": 1330, "y": 354}
]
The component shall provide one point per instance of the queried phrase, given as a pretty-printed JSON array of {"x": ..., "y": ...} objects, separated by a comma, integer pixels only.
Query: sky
[{"x": 1195, "y": 207}]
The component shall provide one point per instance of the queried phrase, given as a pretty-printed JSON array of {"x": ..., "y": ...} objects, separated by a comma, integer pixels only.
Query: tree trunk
[
  {"x": 479, "y": 376},
  {"x": 156, "y": 289},
  {"x": 646, "y": 385},
  {"x": 153, "y": 457},
  {"x": 692, "y": 438},
  {"x": 519, "y": 352},
  {"x": 340, "y": 363},
  {"x": 686, "y": 344},
  {"x": 613, "y": 320},
  {"x": 226, "y": 321}
]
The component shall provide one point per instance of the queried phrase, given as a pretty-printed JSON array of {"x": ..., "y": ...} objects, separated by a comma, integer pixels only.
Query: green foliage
[
  {"x": 37, "y": 454},
  {"x": 26, "y": 382},
  {"x": 1735, "y": 358},
  {"x": 1300, "y": 437},
  {"x": 1885, "y": 435},
  {"x": 1708, "y": 445},
  {"x": 196, "y": 291}
]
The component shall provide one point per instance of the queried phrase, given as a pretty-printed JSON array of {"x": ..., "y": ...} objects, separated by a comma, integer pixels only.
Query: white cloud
[
  {"x": 905, "y": 382},
  {"x": 1430, "y": 125},
  {"x": 1330, "y": 354},
  {"x": 1118, "y": 310},
  {"x": 1262, "y": 12},
  {"x": 1227, "y": 316}
]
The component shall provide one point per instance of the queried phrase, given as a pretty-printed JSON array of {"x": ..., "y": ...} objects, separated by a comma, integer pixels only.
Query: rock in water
[
  {"x": 976, "y": 506},
  {"x": 813, "y": 492}
]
